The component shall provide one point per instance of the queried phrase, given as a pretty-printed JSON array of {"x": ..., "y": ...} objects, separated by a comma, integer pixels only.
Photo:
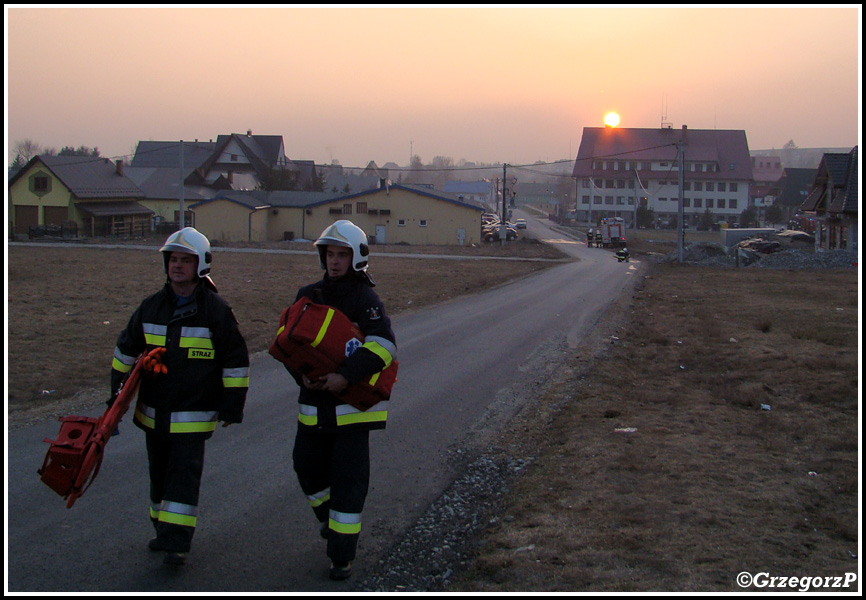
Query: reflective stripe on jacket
[
  {"x": 206, "y": 358},
  {"x": 357, "y": 300}
]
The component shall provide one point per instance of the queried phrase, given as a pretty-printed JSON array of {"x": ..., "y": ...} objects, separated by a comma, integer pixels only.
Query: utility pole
[
  {"x": 636, "y": 200},
  {"x": 503, "y": 231},
  {"x": 182, "y": 219},
  {"x": 682, "y": 156}
]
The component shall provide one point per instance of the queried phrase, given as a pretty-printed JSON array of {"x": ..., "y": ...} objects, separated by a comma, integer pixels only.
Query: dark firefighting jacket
[
  {"x": 206, "y": 357},
  {"x": 354, "y": 297}
]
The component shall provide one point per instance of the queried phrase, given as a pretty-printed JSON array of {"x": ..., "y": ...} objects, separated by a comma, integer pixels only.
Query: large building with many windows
[{"x": 620, "y": 169}]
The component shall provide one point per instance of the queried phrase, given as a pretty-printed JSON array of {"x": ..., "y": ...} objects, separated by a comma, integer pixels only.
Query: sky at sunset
[{"x": 493, "y": 84}]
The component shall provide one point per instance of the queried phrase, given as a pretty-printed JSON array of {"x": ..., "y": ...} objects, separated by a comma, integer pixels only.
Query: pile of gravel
[
  {"x": 716, "y": 255},
  {"x": 441, "y": 542},
  {"x": 800, "y": 259}
]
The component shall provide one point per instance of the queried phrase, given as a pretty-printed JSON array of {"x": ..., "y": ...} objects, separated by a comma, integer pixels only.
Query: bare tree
[{"x": 27, "y": 149}]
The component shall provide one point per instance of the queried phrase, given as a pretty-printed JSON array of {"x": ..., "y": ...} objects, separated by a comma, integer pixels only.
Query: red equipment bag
[
  {"x": 79, "y": 448},
  {"x": 314, "y": 339}
]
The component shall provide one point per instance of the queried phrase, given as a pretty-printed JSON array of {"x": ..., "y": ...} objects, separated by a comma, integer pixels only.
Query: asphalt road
[{"x": 464, "y": 367}]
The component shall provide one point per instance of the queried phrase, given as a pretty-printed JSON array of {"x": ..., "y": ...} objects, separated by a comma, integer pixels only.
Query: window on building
[
  {"x": 731, "y": 203},
  {"x": 698, "y": 202},
  {"x": 620, "y": 184},
  {"x": 687, "y": 202},
  {"x": 608, "y": 199},
  {"x": 732, "y": 187},
  {"x": 401, "y": 222},
  {"x": 699, "y": 186},
  {"x": 711, "y": 186},
  {"x": 347, "y": 209},
  {"x": 596, "y": 199},
  {"x": 709, "y": 202},
  {"x": 361, "y": 207},
  {"x": 609, "y": 183},
  {"x": 663, "y": 199},
  {"x": 40, "y": 184},
  {"x": 687, "y": 186},
  {"x": 721, "y": 186},
  {"x": 422, "y": 222},
  {"x": 620, "y": 200},
  {"x": 584, "y": 199}
]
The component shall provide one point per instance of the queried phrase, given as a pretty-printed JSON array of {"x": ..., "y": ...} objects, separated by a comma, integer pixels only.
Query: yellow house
[
  {"x": 80, "y": 194},
  {"x": 391, "y": 215}
]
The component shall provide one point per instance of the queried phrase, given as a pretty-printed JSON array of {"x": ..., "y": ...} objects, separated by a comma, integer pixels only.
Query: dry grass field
[{"x": 718, "y": 435}]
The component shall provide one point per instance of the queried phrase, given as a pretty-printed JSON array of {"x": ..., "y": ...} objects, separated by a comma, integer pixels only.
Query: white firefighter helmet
[
  {"x": 347, "y": 234},
  {"x": 189, "y": 241}
]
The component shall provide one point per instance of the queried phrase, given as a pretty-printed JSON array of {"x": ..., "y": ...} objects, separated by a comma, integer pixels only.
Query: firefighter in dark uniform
[
  {"x": 206, "y": 382},
  {"x": 331, "y": 453}
]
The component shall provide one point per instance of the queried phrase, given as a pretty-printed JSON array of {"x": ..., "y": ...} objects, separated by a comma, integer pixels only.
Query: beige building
[{"x": 390, "y": 215}]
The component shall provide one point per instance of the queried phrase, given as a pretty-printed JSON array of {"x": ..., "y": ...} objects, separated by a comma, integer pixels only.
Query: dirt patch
[{"x": 67, "y": 304}]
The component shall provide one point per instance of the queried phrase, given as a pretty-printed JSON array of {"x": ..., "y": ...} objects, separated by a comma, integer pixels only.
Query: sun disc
[{"x": 611, "y": 119}]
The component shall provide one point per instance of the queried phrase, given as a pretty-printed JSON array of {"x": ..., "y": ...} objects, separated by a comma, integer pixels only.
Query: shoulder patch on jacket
[{"x": 373, "y": 313}]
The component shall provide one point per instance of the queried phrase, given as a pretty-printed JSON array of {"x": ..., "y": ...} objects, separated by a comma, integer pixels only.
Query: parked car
[
  {"x": 520, "y": 223},
  {"x": 492, "y": 233}
]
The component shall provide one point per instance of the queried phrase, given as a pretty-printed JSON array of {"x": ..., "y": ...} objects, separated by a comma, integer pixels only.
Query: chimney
[
  {"x": 118, "y": 167},
  {"x": 249, "y": 132},
  {"x": 685, "y": 134}
]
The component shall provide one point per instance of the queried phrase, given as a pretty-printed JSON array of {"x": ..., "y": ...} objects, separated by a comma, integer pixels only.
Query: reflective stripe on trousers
[
  {"x": 346, "y": 523},
  {"x": 175, "y": 513},
  {"x": 319, "y": 498}
]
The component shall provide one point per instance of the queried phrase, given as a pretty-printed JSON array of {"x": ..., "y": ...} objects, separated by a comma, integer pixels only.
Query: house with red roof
[{"x": 619, "y": 169}]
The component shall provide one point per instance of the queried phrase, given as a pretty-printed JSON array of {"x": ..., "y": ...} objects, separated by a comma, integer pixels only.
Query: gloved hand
[{"x": 152, "y": 362}]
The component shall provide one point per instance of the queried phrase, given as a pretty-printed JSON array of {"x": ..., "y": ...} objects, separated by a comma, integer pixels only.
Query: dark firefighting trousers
[
  {"x": 176, "y": 466},
  {"x": 334, "y": 473}
]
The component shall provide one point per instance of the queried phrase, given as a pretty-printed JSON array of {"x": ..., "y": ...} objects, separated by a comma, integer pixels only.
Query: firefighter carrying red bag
[
  {"x": 337, "y": 344},
  {"x": 314, "y": 339}
]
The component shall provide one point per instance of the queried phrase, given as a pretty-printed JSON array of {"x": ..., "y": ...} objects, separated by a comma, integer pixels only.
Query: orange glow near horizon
[
  {"x": 108, "y": 78},
  {"x": 611, "y": 119}
]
